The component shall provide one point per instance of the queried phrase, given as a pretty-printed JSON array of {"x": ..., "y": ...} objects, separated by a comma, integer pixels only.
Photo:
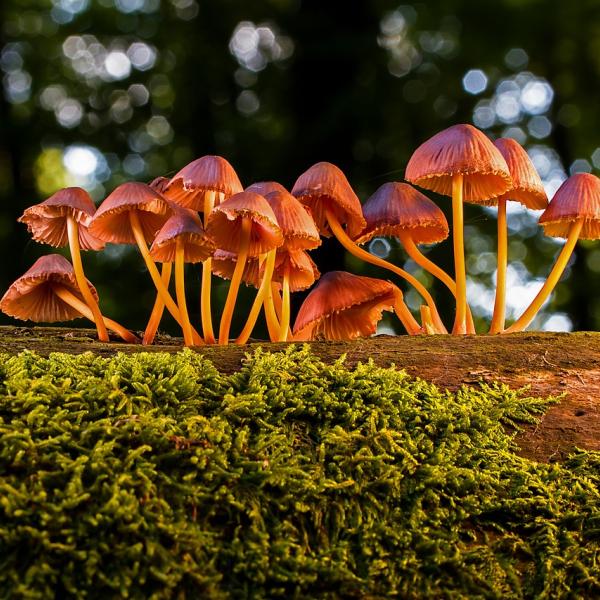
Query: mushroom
[
  {"x": 63, "y": 220},
  {"x": 244, "y": 224},
  {"x": 266, "y": 187},
  {"x": 201, "y": 185},
  {"x": 343, "y": 306},
  {"x": 132, "y": 214},
  {"x": 182, "y": 239},
  {"x": 463, "y": 163},
  {"x": 399, "y": 210},
  {"x": 527, "y": 189},
  {"x": 49, "y": 292},
  {"x": 333, "y": 203},
  {"x": 573, "y": 213}
]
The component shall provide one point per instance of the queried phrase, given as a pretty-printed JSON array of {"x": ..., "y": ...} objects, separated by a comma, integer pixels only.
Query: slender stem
[
  {"x": 67, "y": 296},
  {"x": 84, "y": 288},
  {"x": 405, "y": 316},
  {"x": 263, "y": 291},
  {"x": 277, "y": 301},
  {"x": 285, "y": 308},
  {"x": 426, "y": 320},
  {"x": 236, "y": 279},
  {"x": 271, "y": 315},
  {"x": 459, "y": 255},
  {"x": 413, "y": 251},
  {"x": 359, "y": 252},
  {"x": 158, "y": 309},
  {"x": 498, "y": 318},
  {"x": 553, "y": 278},
  {"x": 188, "y": 337},
  {"x": 205, "y": 309}
]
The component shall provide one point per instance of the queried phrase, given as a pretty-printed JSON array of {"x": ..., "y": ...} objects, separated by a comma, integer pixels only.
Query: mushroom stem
[
  {"x": 284, "y": 324},
  {"x": 553, "y": 278},
  {"x": 405, "y": 316},
  {"x": 277, "y": 302},
  {"x": 263, "y": 291},
  {"x": 357, "y": 251},
  {"x": 188, "y": 337},
  {"x": 426, "y": 320},
  {"x": 413, "y": 251},
  {"x": 158, "y": 282},
  {"x": 158, "y": 308},
  {"x": 73, "y": 235},
  {"x": 498, "y": 318},
  {"x": 273, "y": 308},
  {"x": 236, "y": 278},
  {"x": 205, "y": 309},
  {"x": 459, "y": 255},
  {"x": 67, "y": 296}
]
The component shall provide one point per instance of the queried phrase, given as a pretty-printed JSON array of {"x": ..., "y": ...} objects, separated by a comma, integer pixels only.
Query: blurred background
[{"x": 97, "y": 92}]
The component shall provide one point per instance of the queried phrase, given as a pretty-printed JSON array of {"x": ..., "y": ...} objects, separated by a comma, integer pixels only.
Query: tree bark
[{"x": 550, "y": 363}]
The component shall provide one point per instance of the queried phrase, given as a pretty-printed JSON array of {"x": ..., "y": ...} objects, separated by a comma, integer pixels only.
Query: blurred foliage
[{"x": 96, "y": 92}]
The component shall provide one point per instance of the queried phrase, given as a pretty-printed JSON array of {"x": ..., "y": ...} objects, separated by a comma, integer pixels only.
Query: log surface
[{"x": 550, "y": 363}]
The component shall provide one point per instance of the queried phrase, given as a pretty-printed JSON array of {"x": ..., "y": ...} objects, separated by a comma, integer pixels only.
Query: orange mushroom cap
[
  {"x": 297, "y": 225},
  {"x": 223, "y": 265},
  {"x": 224, "y": 224},
  {"x": 111, "y": 221},
  {"x": 265, "y": 187},
  {"x": 460, "y": 149},
  {"x": 31, "y": 297},
  {"x": 397, "y": 208},
  {"x": 159, "y": 184},
  {"x": 183, "y": 225},
  {"x": 325, "y": 186},
  {"x": 343, "y": 306},
  {"x": 302, "y": 270},
  {"x": 47, "y": 221},
  {"x": 577, "y": 198},
  {"x": 527, "y": 185},
  {"x": 205, "y": 174}
]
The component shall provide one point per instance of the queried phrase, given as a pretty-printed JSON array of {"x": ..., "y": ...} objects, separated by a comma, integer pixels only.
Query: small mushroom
[{"x": 265, "y": 187}]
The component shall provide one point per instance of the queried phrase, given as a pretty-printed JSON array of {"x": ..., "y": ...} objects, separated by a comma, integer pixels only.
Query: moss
[{"x": 155, "y": 476}]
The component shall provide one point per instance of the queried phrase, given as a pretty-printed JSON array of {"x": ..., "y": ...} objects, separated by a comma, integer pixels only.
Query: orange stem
[
  {"x": 285, "y": 308},
  {"x": 405, "y": 316},
  {"x": 158, "y": 309},
  {"x": 205, "y": 303},
  {"x": 459, "y": 255},
  {"x": 188, "y": 337},
  {"x": 498, "y": 318}
]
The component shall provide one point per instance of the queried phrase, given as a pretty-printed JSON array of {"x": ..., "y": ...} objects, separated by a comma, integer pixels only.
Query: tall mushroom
[
  {"x": 201, "y": 185},
  {"x": 463, "y": 163},
  {"x": 527, "y": 189},
  {"x": 336, "y": 210},
  {"x": 573, "y": 213},
  {"x": 49, "y": 292},
  {"x": 63, "y": 220}
]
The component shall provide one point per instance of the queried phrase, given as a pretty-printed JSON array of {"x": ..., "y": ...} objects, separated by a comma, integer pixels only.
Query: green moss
[{"x": 155, "y": 476}]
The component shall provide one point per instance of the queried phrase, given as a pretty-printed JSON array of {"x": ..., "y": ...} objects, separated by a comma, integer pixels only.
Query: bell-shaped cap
[
  {"x": 324, "y": 186},
  {"x": 223, "y": 265},
  {"x": 460, "y": 149},
  {"x": 47, "y": 221},
  {"x": 302, "y": 271},
  {"x": 159, "y": 184},
  {"x": 31, "y": 297},
  {"x": 527, "y": 187},
  {"x": 205, "y": 174},
  {"x": 111, "y": 222},
  {"x": 265, "y": 187},
  {"x": 397, "y": 208},
  {"x": 183, "y": 226},
  {"x": 577, "y": 198},
  {"x": 224, "y": 224},
  {"x": 343, "y": 306},
  {"x": 295, "y": 221}
]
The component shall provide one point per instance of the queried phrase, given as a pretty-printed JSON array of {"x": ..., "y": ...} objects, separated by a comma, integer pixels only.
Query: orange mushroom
[
  {"x": 266, "y": 187},
  {"x": 463, "y": 163},
  {"x": 201, "y": 185},
  {"x": 49, "y": 291},
  {"x": 333, "y": 205},
  {"x": 63, "y": 220},
  {"x": 527, "y": 189},
  {"x": 246, "y": 225},
  {"x": 573, "y": 213}
]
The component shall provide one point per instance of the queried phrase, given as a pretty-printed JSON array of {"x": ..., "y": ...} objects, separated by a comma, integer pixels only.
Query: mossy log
[{"x": 550, "y": 363}]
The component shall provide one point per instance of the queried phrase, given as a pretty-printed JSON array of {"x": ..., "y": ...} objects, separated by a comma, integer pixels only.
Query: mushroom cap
[
  {"x": 343, "y": 306},
  {"x": 159, "y": 184},
  {"x": 183, "y": 225},
  {"x": 460, "y": 149},
  {"x": 577, "y": 198},
  {"x": 47, "y": 221},
  {"x": 295, "y": 221},
  {"x": 325, "y": 186},
  {"x": 31, "y": 297},
  {"x": 302, "y": 270},
  {"x": 111, "y": 221},
  {"x": 205, "y": 174},
  {"x": 265, "y": 187},
  {"x": 223, "y": 265},
  {"x": 224, "y": 224},
  {"x": 527, "y": 187},
  {"x": 397, "y": 208}
]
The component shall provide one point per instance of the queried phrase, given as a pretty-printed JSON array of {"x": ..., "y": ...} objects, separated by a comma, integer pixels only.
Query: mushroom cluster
[{"x": 261, "y": 236}]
